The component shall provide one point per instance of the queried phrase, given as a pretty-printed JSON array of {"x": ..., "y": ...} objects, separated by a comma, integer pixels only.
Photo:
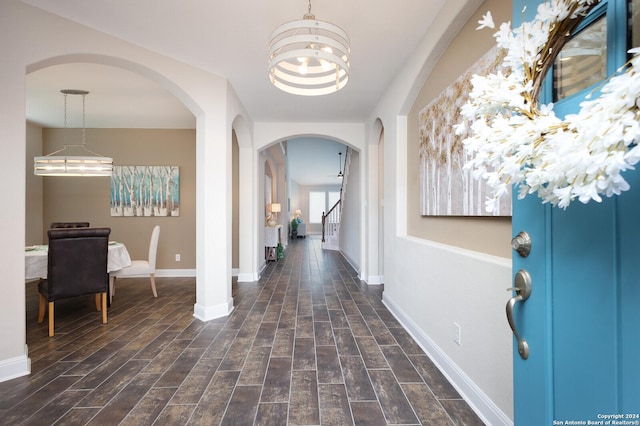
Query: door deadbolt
[{"x": 521, "y": 243}]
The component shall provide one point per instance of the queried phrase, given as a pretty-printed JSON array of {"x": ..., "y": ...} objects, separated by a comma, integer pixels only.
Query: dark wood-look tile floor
[{"x": 308, "y": 344}]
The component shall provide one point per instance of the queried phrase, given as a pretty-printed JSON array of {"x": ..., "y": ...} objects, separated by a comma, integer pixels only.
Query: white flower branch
[{"x": 515, "y": 141}]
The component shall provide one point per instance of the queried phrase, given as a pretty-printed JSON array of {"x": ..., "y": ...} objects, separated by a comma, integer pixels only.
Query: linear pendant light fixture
[
  {"x": 56, "y": 164},
  {"x": 309, "y": 57}
]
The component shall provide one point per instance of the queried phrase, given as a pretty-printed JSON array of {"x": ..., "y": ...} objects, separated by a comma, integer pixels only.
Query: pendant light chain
[
  {"x": 65, "y": 110},
  {"x": 66, "y": 93},
  {"x": 65, "y": 119},
  {"x": 59, "y": 163},
  {"x": 84, "y": 98}
]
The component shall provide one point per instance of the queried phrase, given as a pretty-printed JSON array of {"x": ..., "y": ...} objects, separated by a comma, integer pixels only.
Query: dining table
[{"x": 36, "y": 258}]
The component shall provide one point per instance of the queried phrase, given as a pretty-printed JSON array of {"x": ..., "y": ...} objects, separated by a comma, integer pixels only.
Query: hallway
[{"x": 308, "y": 344}]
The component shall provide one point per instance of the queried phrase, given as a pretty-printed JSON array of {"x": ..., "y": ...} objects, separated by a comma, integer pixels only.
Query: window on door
[
  {"x": 582, "y": 62},
  {"x": 634, "y": 12}
]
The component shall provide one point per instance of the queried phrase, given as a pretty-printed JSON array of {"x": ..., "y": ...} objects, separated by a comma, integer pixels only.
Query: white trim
[
  {"x": 486, "y": 409},
  {"x": 345, "y": 257},
  {"x": 264, "y": 266},
  {"x": 330, "y": 245},
  {"x": 208, "y": 313},
  {"x": 235, "y": 272},
  {"x": 18, "y": 366},
  {"x": 248, "y": 278},
  {"x": 472, "y": 254},
  {"x": 175, "y": 273},
  {"x": 374, "y": 280}
]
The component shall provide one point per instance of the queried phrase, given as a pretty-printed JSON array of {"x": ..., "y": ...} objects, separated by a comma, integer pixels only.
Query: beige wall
[
  {"x": 87, "y": 198},
  {"x": 484, "y": 234},
  {"x": 33, "y": 201}
]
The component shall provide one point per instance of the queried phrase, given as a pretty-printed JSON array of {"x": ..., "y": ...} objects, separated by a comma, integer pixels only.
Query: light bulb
[{"x": 302, "y": 69}]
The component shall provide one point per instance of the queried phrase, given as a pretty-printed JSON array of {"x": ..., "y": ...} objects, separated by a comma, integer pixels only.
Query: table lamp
[{"x": 275, "y": 208}]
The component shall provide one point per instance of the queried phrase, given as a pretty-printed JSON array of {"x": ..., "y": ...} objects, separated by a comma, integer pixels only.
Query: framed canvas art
[
  {"x": 446, "y": 189},
  {"x": 145, "y": 191}
]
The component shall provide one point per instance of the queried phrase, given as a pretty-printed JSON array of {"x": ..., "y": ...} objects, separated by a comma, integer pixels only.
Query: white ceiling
[
  {"x": 314, "y": 161},
  {"x": 117, "y": 99},
  {"x": 228, "y": 38}
]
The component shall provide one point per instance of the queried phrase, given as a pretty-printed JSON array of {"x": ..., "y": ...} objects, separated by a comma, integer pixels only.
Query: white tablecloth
[
  {"x": 36, "y": 259},
  {"x": 272, "y": 236}
]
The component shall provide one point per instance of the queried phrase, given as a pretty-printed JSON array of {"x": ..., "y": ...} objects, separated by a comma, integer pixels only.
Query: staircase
[
  {"x": 331, "y": 219},
  {"x": 331, "y": 226}
]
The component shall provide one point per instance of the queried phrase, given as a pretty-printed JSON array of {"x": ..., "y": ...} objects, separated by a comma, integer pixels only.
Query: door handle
[{"x": 522, "y": 288}]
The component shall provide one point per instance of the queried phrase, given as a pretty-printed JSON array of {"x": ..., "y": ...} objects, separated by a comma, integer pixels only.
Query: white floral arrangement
[{"x": 515, "y": 141}]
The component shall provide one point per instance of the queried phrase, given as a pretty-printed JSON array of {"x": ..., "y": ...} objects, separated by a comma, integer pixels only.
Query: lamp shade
[
  {"x": 275, "y": 208},
  {"x": 89, "y": 164},
  {"x": 57, "y": 165},
  {"x": 309, "y": 57}
]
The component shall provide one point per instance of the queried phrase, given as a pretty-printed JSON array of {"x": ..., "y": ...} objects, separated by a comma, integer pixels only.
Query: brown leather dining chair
[
  {"x": 77, "y": 266},
  {"x": 56, "y": 225}
]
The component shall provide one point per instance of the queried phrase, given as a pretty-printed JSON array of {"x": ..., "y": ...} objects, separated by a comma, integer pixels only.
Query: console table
[{"x": 272, "y": 237}]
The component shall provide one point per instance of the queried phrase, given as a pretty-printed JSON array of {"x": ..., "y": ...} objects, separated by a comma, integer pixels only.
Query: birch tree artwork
[
  {"x": 145, "y": 191},
  {"x": 446, "y": 188}
]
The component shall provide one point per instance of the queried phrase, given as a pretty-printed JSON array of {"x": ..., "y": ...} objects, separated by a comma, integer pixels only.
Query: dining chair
[
  {"x": 139, "y": 268},
  {"x": 55, "y": 225},
  {"x": 76, "y": 266}
]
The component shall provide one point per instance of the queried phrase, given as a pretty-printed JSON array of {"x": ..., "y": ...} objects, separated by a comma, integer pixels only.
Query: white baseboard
[
  {"x": 176, "y": 273},
  {"x": 484, "y": 407},
  {"x": 374, "y": 280},
  {"x": 248, "y": 278},
  {"x": 208, "y": 313},
  {"x": 345, "y": 257},
  {"x": 179, "y": 273},
  {"x": 15, "y": 367}
]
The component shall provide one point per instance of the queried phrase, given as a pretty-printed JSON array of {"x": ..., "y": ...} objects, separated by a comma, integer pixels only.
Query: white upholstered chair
[{"x": 139, "y": 268}]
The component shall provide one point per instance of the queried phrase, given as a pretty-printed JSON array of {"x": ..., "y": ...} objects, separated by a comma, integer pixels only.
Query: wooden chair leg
[
  {"x": 153, "y": 284},
  {"x": 98, "y": 306},
  {"x": 42, "y": 303},
  {"x": 104, "y": 308},
  {"x": 112, "y": 287},
  {"x": 50, "y": 319}
]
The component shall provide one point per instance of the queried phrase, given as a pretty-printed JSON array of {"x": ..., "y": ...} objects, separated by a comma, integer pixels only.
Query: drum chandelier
[{"x": 309, "y": 57}]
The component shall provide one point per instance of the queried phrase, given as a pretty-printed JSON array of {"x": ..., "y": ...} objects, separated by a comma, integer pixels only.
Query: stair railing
[{"x": 331, "y": 221}]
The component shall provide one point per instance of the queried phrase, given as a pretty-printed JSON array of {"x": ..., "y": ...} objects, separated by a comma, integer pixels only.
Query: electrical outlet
[
  {"x": 457, "y": 334},
  {"x": 177, "y": 257}
]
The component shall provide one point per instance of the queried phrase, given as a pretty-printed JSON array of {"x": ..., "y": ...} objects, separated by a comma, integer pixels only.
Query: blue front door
[{"x": 582, "y": 319}]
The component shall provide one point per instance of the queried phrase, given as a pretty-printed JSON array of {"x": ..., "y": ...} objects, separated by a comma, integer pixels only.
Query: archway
[
  {"x": 244, "y": 227},
  {"x": 207, "y": 96},
  {"x": 320, "y": 159}
]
